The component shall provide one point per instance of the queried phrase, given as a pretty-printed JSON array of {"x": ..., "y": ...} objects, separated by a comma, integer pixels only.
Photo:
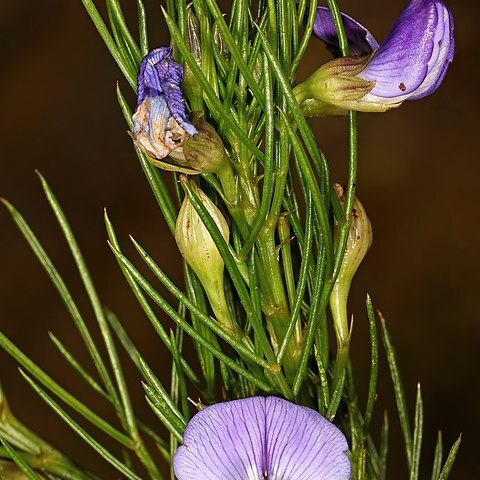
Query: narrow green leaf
[
  {"x": 362, "y": 464},
  {"x": 302, "y": 279},
  {"x": 107, "y": 38},
  {"x": 324, "y": 397},
  {"x": 300, "y": 52},
  {"x": 417, "y": 436},
  {"x": 86, "y": 437},
  {"x": 160, "y": 391},
  {"x": 177, "y": 372},
  {"x": 383, "y": 452},
  {"x": 76, "y": 365},
  {"x": 65, "y": 396},
  {"x": 122, "y": 402},
  {"x": 63, "y": 291},
  {"x": 438, "y": 457},
  {"x": 157, "y": 325},
  {"x": 336, "y": 398},
  {"x": 164, "y": 305},
  {"x": 161, "y": 415},
  {"x": 372, "y": 383},
  {"x": 122, "y": 27},
  {"x": 447, "y": 468},
  {"x": 19, "y": 461},
  {"x": 398, "y": 389},
  {"x": 123, "y": 48},
  {"x": 216, "y": 106},
  {"x": 142, "y": 27}
]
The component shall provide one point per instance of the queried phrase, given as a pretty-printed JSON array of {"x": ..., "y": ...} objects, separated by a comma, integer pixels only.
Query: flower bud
[
  {"x": 359, "y": 240},
  {"x": 195, "y": 242},
  {"x": 204, "y": 152},
  {"x": 200, "y": 252}
]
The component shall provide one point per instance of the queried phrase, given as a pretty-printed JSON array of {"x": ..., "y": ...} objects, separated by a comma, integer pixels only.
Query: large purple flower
[
  {"x": 160, "y": 122},
  {"x": 261, "y": 438},
  {"x": 410, "y": 64}
]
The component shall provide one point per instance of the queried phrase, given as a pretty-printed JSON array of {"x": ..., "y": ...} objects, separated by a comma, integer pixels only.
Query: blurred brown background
[{"x": 418, "y": 180}]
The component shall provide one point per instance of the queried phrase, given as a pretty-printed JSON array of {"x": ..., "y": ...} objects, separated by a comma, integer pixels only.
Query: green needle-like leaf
[
  {"x": 121, "y": 25},
  {"x": 68, "y": 398},
  {"x": 19, "y": 461},
  {"x": 438, "y": 457},
  {"x": 383, "y": 451},
  {"x": 142, "y": 27},
  {"x": 101, "y": 450},
  {"x": 62, "y": 289},
  {"x": 372, "y": 384},
  {"x": 162, "y": 393},
  {"x": 417, "y": 436},
  {"x": 399, "y": 392},
  {"x": 76, "y": 365},
  {"x": 109, "y": 42},
  {"x": 447, "y": 468},
  {"x": 163, "y": 304}
]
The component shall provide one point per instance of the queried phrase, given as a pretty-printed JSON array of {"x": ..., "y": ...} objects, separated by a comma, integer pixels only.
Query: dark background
[{"x": 418, "y": 181}]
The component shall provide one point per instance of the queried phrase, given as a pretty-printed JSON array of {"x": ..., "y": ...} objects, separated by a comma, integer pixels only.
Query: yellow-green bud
[
  {"x": 195, "y": 242},
  {"x": 360, "y": 237},
  {"x": 200, "y": 252}
]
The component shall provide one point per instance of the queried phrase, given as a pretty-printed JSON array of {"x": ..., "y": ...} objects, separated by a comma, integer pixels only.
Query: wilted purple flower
[
  {"x": 160, "y": 122},
  {"x": 410, "y": 64},
  {"x": 261, "y": 438}
]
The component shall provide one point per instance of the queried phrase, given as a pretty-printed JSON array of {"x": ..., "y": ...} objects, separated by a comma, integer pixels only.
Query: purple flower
[
  {"x": 160, "y": 122},
  {"x": 410, "y": 64},
  {"x": 261, "y": 438}
]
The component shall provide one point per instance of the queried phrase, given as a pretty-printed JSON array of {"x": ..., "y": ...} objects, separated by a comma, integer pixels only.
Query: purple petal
[
  {"x": 301, "y": 444},
  {"x": 148, "y": 83},
  {"x": 160, "y": 75},
  {"x": 261, "y": 438},
  {"x": 414, "y": 58},
  {"x": 443, "y": 53},
  {"x": 170, "y": 75},
  {"x": 360, "y": 40}
]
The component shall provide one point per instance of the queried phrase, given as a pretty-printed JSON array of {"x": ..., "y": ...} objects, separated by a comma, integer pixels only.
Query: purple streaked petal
[
  {"x": 413, "y": 60},
  {"x": 261, "y": 438},
  {"x": 444, "y": 50},
  {"x": 148, "y": 83},
  {"x": 360, "y": 40},
  {"x": 170, "y": 75},
  {"x": 160, "y": 75}
]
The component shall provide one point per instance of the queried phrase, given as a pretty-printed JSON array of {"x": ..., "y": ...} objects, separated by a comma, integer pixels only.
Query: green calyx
[{"x": 335, "y": 88}]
